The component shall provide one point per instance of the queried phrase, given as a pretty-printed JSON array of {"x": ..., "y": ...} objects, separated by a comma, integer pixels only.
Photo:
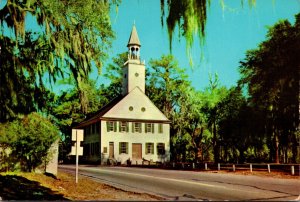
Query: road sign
[{"x": 77, "y": 136}]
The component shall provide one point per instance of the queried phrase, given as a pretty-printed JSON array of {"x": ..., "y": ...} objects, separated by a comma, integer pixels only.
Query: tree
[
  {"x": 212, "y": 96},
  {"x": 271, "y": 75},
  {"x": 66, "y": 111},
  {"x": 28, "y": 140},
  {"x": 69, "y": 37},
  {"x": 114, "y": 73}
]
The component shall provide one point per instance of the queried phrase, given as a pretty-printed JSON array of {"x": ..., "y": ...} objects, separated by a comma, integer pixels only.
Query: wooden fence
[{"x": 293, "y": 169}]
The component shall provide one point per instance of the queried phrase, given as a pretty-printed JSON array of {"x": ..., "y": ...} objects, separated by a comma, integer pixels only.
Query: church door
[
  {"x": 136, "y": 151},
  {"x": 111, "y": 150}
]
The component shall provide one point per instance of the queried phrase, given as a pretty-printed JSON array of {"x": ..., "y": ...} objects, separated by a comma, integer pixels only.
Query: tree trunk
[
  {"x": 215, "y": 144},
  {"x": 276, "y": 148}
]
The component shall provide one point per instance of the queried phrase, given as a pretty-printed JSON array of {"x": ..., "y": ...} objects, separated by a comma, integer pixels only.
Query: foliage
[
  {"x": 190, "y": 17},
  {"x": 66, "y": 111},
  {"x": 69, "y": 36},
  {"x": 114, "y": 72},
  {"x": 28, "y": 140},
  {"x": 271, "y": 75}
]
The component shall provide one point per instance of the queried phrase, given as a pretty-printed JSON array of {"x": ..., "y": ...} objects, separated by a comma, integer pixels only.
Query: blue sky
[{"x": 230, "y": 32}]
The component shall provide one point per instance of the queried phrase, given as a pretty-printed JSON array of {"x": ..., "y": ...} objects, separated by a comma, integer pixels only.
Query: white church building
[{"x": 130, "y": 127}]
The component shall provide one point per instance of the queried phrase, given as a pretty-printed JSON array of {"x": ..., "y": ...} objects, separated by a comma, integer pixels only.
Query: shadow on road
[{"x": 14, "y": 187}]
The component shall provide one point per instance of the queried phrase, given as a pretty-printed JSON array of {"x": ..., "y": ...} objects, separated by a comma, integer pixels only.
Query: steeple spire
[
  {"x": 134, "y": 39},
  {"x": 134, "y": 45}
]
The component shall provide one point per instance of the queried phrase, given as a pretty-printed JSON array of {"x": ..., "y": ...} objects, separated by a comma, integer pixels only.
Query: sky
[{"x": 230, "y": 32}]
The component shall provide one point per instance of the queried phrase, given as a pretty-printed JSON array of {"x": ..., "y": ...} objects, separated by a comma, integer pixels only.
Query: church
[{"x": 130, "y": 128}]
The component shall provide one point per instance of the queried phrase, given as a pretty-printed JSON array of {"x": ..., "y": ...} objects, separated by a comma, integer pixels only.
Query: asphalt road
[{"x": 190, "y": 185}]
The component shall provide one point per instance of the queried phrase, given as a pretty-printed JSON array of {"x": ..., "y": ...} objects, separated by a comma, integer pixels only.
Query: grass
[{"x": 34, "y": 186}]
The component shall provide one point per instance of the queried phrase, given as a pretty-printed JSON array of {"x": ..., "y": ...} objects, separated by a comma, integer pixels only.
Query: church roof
[
  {"x": 133, "y": 39},
  {"x": 117, "y": 109}
]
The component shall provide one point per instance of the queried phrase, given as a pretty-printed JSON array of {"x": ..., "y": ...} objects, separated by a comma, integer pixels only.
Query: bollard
[
  {"x": 205, "y": 166},
  {"x": 219, "y": 166},
  {"x": 182, "y": 165},
  {"x": 136, "y": 162},
  {"x": 233, "y": 168},
  {"x": 250, "y": 167},
  {"x": 293, "y": 170},
  {"x": 193, "y": 165},
  {"x": 173, "y": 165},
  {"x": 142, "y": 162},
  {"x": 269, "y": 169}
]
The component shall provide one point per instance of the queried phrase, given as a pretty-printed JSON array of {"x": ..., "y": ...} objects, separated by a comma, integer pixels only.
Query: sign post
[{"x": 77, "y": 137}]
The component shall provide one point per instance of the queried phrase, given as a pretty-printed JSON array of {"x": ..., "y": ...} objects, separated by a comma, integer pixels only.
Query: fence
[{"x": 292, "y": 169}]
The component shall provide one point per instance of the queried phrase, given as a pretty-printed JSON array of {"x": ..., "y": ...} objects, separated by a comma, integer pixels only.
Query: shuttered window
[
  {"x": 123, "y": 126},
  {"x": 123, "y": 148},
  {"x": 111, "y": 126},
  {"x": 149, "y": 128},
  {"x": 160, "y": 148},
  {"x": 149, "y": 148},
  {"x": 160, "y": 128},
  {"x": 136, "y": 127}
]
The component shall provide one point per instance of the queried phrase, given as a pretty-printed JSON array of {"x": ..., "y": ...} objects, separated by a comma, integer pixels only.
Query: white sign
[{"x": 77, "y": 136}]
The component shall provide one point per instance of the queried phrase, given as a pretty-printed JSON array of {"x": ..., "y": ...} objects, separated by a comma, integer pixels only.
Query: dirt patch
[{"x": 87, "y": 189}]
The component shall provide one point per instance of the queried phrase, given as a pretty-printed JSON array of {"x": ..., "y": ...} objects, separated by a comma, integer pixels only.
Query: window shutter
[
  {"x": 126, "y": 147},
  {"x": 145, "y": 127},
  {"x": 119, "y": 147},
  {"x": 152, "y": 125},
  {"x": 107, "y": 128},
  {"x": 120, "y": 126},
  {"x": 127, "y": 127},
  {"x": 140, "y": 127},
  {"x": 115, "y": 126},
  {"x": 152, "y": 148},
  {"x": 146, "y": 146},
  {"x": 132, "y": 127}
]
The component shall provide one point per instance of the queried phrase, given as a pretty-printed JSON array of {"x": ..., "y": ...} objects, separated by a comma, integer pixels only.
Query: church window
[
  {"x": 143, "y": 109},
  {"x": 111, "y": 126},
  {"x": 136, "y": 74},
  {"x": 130, "y": 108},
  {"x": 149, "y": 127},
  {"x": 123, "y": 126},
  {"x": 160, "y": 148},
  {"x": 160, "y": 128},
  {"x": 149, "y": 148},
  {"x": 137, "y": 127},
  {"x": 123, "y": 147}
]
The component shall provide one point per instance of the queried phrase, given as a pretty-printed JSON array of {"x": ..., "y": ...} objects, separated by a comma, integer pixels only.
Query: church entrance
[
  {"x": 111, "y": 150},
  {"x": 136, "y": 151}
]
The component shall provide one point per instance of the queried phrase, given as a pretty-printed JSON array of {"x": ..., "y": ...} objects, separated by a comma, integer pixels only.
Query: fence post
[
  {"x": 233, "y": 167},
  {"x": 205, "y": 166},
  {"x": 269, "y": 169},
  {"x": 293, "y": 170},
  {"x": 219, "y": 166},
  {"x": 250, "y": 167}
]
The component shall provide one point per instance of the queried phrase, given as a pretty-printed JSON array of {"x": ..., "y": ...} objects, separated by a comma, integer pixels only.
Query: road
[{"x": 190, "y": 185}]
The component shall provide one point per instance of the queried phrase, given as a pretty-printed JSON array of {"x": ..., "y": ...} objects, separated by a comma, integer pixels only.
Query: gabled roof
[
  {"x": 136, "y": 106},
  {"x": 133, "y": 39},
  {"x": 118, "y": 109}
]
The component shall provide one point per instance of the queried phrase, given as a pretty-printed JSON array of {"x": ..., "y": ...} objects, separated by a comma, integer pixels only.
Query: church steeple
[
  {"x": 134, "y": 45},
  {"x": 133, "y": 69}
]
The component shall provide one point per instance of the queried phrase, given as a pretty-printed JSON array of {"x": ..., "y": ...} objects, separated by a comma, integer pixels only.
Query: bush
[{"x": 26, "y": 142}]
